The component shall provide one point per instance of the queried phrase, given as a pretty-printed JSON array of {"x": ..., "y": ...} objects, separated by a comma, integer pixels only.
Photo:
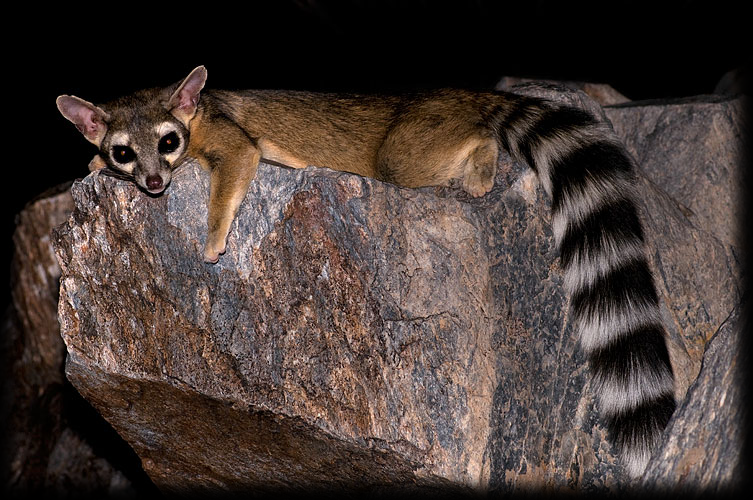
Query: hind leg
[
  {"x": 449, "y": 151},
  {"x": 479, "y": 168}
]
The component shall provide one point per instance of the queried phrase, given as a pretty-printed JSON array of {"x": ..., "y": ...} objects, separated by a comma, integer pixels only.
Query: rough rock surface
[
  {"x": 361, "y": 336},
  {"x": 692, "y": 148},
  {"x": 690, "y": 154},
  {"x": 351, "y": 324},
  {"x": 43, "y": 451},
  {"x": 711, "y": 423}
]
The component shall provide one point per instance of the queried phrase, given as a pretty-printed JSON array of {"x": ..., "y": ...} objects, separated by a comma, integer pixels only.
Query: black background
[{"x": 645, "y": 50}]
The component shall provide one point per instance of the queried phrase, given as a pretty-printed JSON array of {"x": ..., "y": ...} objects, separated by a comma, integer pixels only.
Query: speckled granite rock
[
  {"x": 358, "y": 316},
  {"x": 43, "y": 451},
  {"x": 689, "y": 151},
  {"x": 702, "y": 452},
  {"x": 692, "y": 149}
]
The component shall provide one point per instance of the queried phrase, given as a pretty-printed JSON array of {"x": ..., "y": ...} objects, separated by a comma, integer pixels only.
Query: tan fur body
[{"x": 411, "y": 141}]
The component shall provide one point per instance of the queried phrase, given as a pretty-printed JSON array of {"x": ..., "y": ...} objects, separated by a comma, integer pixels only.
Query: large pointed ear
[
  {"x": 184, "y": 101},
  {"x": 88, "y": 118}
]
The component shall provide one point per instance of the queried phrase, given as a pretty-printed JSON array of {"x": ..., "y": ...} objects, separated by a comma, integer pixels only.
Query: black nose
[{"x": 154, "y": 182}]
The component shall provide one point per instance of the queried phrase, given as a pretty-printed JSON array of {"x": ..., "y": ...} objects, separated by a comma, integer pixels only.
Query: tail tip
[{"x": 635, "y": 461}]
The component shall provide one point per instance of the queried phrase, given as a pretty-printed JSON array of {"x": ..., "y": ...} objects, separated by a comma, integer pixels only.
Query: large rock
[
  {"x": 711, "y": 423},
  {"x": 692, "y": 149},
  {"x": 356, "y": 335},
  {"x": 44, "y": 449},
  {"x": 347, "y": 338},
  {"x": 689, "y": 151}
]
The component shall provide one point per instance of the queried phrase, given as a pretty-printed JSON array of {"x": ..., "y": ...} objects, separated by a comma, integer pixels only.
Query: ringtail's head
[{"x": 141, "y": 137}]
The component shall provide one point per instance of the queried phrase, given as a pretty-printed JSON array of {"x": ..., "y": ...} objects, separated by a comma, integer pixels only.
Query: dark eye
[
  {"x": 123, "y": 154},
  {"x": 168, "y": 143}
]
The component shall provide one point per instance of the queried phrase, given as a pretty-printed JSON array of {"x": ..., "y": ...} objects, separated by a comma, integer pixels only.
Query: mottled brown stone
[{"x": 43, "y": 452}]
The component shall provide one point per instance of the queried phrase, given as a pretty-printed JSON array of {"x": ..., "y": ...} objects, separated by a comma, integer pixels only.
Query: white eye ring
[{"x": 163, "y": 130}]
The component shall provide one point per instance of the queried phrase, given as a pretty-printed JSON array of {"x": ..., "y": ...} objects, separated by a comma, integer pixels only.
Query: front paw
[{"x": 213, "y": 249}]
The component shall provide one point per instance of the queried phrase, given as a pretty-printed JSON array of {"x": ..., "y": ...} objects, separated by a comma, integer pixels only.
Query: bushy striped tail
[{"x": 615, "y": 306}]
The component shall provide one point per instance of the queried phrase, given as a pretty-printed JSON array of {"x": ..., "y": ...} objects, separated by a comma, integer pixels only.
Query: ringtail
[{"x": 429, "y": 139}]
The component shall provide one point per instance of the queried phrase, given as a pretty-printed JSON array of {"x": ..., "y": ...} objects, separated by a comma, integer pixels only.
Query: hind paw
[{"x": 478, "y": 182}]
